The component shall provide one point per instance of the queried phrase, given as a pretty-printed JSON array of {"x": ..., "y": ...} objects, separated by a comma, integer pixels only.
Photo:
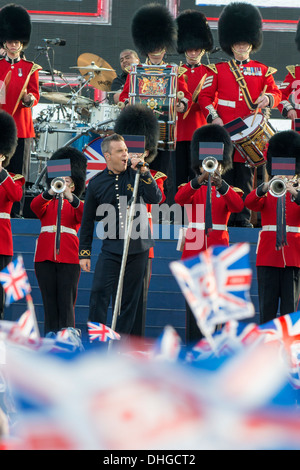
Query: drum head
[{"x": 259, "y": 118}]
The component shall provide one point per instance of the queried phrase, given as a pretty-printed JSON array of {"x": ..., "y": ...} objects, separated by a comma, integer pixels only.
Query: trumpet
[
  {"x": 278, "y": 186},
  {"x": 58, "y": 185},
  {"x": 210, "y": 164}
]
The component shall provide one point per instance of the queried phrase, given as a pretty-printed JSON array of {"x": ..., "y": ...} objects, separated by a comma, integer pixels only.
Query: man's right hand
[{"x": 85, "y": 264}]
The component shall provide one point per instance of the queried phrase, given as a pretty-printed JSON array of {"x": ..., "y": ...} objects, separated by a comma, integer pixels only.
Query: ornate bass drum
[
  {"x": 156, "y": 87},
  {"x": 252, "y": 141}
]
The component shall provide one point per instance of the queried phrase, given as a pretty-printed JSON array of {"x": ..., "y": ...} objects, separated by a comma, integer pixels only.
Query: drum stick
[
  {"x": 256, "y": 111},
  {"x": 196, "y": 94}
]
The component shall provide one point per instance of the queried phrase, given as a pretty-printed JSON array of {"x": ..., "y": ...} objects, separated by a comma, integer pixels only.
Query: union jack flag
[
  {"x": 15, "y": 281},
  {"x": 216, "y": 284},
  {"x": 95, "y": 159},
  {"x": 100, "y": 332},
  {"x": 286, "y": 331}
]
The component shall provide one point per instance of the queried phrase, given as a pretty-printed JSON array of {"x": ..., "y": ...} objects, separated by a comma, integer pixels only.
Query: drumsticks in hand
[
  {"x": 196, "y": 94},
  {"x": 256, "y": 111}
]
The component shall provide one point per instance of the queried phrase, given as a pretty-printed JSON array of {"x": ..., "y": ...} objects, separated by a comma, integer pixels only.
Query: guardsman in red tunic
[
  {"x": 290, "y": 88},
  {"x": 194, "y": 39},
  {"x": 278, "y": 249},
  {"x": 224, "y": 201},
  {"x": 154, "y": 33},
  {"x": 19, "y": 86},
  {"x": 140, "y": 120},
  {"x": 241, "y": 85},
  {"x": 10, "y": 191},
  {"x": 58, "y": 273}
]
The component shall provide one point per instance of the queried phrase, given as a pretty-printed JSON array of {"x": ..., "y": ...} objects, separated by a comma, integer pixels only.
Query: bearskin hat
[
  {"x": 193, "y": 32},
  {"x": 240, "y": 22},
  {"x": 153, "y": 28},
  {"x": 138, "y": 119},
  {"x": 211, "y": 133},
  {"x": 297, "y": 38},
  {"x": 15, "y": 24},
  {"x": 8, "y": 139},
  {"x": 284, "y": 144},
  {"x": 78, "y": 167}
]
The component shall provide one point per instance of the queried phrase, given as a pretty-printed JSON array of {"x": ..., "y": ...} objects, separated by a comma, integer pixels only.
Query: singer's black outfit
[{"x": 113, "y": 192}]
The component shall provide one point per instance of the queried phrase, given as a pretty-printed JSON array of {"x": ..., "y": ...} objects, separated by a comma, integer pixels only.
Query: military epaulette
[
  {"x": 181, "y": 71},
  {"x": 35, "y": 67},
  {"x": 17, "y": 177},
  {"x": 181, "y": 185},
  {"x": 159, "y": 175},
  {"x": 270, "y": 71},
  {"x": 292, "y": 70},
  {"x": 212, "y": 67},
  {"x": 238, "y": 190}
]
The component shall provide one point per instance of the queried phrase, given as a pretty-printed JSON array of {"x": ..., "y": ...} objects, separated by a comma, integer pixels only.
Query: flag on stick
[
  {"x": 100, "y": 332},
  {"x": 15, "y": 281}
]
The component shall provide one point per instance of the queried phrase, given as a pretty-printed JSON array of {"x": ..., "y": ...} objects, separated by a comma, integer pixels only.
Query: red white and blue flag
[
  {"x": 15, "y": 281},
  {"x": 95, "y": 159},
  {"x": 26, "y": 325},
  {"x": 100, "y": 332},
  {"x": 216, "y": 284}
]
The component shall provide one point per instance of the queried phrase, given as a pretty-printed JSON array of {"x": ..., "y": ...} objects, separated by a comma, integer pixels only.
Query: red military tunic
[
  {"x": 231, "y": 104},
  {"x": 10, "y": 191},
  {"x": 18, "y": 77},
  {"x": 290, "y": 86},
  {"x": 46, "y": 211},
  {"x": 221, "y": 207},
  {"x": 195, "y": 118},
  {"x": 267, "y": 255}
]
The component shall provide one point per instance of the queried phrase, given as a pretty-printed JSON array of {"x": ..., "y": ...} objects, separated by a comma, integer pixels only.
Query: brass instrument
[
  {"x": 210, "y": 164},
  {"x": 278, "y": 186},
  {"x": 58, "y": 185}
]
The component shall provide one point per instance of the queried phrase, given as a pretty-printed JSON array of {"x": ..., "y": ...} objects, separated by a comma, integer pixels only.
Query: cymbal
[
  {"x": 104, "y": 73},
  {"x": 67, "y": 99}
]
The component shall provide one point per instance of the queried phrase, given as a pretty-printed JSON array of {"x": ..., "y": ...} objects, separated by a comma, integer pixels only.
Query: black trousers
[
  {"x": 277, "y": 286},
  {"x": 139, "y": 325},
  {"x": 4, "y": 261},
  {"x": 20, "y": 164},
  {"x": 58, "y": 283},
  {"x": 104, "y": 287}
]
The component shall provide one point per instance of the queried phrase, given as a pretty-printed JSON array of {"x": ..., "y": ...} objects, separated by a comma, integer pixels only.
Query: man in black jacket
[{"x": 108, "y": 196}]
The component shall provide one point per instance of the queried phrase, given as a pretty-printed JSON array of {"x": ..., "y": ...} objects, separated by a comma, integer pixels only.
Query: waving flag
[
  {"x": 95, "y": 159},
  {"x": 100, "y": 332},
  {"x": 168, "y": 345},
  {"x": 15, "y": 281},
  {"x": 216, "y": 284},
  {"x": 27, "y": 324}
]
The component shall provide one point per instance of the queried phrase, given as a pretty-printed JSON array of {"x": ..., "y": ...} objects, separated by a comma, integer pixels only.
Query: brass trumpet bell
[{"x": 58, "y": 185}]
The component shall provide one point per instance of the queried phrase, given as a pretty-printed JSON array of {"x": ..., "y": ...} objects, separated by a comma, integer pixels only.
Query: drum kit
[{"x": 72, "y": 118}]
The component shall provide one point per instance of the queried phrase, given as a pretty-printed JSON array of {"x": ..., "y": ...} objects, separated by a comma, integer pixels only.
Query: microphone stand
[{"x": 132, "y": 202}]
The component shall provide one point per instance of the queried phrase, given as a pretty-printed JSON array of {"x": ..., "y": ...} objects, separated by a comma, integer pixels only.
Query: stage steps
[{"x": 166, "y": 305}]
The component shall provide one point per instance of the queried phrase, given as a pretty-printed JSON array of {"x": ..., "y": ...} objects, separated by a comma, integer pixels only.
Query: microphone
[
  {"x": 55, "y": 42},
  {"x": 139, "y": 165},
  {"x": 215, "y": 49}
]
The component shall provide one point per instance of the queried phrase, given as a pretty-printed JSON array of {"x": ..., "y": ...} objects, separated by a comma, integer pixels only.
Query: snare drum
[
  {"x": 252, "y": 142},
  {"x": 95, "y": 159},
  {"x": 104, "y": 112},
  {"x": 155, "y": 86}
]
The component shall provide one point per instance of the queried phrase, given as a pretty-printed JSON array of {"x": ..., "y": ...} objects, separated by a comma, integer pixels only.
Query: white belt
[
  {"x": 4, "y": 215},
  {"x": 273, "y": 228},
  {"x": 297, "y": 106},
  {"x": 229, "y": 104},
  {"x": 149, "y": 215},
  {"x": 201, "y": 226},
  {"x": 63, "y": 229}
]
